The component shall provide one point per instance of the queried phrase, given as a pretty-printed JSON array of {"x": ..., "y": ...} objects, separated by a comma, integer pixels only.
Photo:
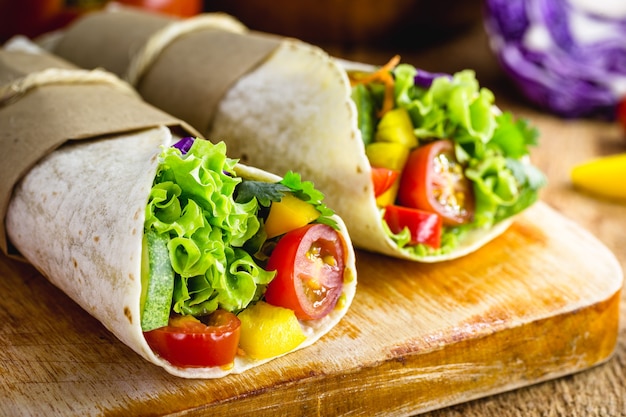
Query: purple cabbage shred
[
  {"x": 184, "y": 144},
  {"x": 425, "y": 78}
]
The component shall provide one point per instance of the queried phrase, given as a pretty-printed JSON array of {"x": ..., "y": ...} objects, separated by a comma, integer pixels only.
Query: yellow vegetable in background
[
  {"x": 268, "y": 331},
  {"x": 604, "y": 176},
  {"x": 289, "y": 214}
]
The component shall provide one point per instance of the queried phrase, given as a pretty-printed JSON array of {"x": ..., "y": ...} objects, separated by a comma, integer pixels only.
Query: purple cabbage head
[{"x": 566, "y": 56}]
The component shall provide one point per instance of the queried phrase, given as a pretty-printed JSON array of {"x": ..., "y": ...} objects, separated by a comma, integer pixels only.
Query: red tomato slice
[
  {"x": 383, "y": 179},
  {"x": 424, "y": 227},
  {"x": 309, "y": 264},
  {"x": 433, "y": 181},
  {"x": 187, "y": 342}
]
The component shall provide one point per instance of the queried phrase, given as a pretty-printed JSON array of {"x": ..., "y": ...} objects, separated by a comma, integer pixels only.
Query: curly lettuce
[
  {"x": 213, "y": 221},
  {"x": 192, "y": 200}
]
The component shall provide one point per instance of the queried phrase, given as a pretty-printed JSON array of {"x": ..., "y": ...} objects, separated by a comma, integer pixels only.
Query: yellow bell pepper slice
[
  {"x": 288, "y": 214},
  {"x": 268, "y": 331},
  {"x": 396, "y": 126},
  {"x": 605, "y": 176},
  {"x": 389, "y": 196},
  {"x": 392, "y": 155}
]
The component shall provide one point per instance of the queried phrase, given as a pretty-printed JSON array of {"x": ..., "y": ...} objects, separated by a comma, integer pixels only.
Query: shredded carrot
[
  {"x": 388, "y": 99},
  {"x": 380, "y": 72},
  {"x": 382, "y": 75}
]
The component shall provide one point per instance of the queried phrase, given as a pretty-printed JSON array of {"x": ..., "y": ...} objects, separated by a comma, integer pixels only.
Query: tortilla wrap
[
  {"x": 77, "y": 211},
  {"x": 290, "y": 108}
]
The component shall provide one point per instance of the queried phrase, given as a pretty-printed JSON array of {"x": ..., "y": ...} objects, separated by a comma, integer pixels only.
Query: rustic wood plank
[{"x": 539, "y": 302}]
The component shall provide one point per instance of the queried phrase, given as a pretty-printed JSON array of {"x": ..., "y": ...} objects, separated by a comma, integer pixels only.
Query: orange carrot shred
[
  {"x": 379, "y": 73},
  {"x": 382, "y": 75},
  {"x": 388, "y": 99}
]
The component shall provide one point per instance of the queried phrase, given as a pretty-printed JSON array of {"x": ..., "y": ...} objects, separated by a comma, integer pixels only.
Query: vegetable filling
[
  {"x": 214, "y": 245},
  {"x": 458, "y": 157}
]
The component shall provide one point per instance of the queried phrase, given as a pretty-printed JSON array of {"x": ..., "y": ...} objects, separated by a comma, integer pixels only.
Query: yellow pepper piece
[
  {"x": 389, "y": 196},
  {"x": 392, "y": 155},
  {"x": 268, "y": 331},
  {"x": 604, "y": 176},
  {"x": 396, "y": 126},
  {"x": 289, "y": 214}
]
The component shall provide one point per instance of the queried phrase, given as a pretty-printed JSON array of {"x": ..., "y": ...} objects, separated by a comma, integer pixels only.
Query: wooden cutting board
[{"x": 539, "y": 302}]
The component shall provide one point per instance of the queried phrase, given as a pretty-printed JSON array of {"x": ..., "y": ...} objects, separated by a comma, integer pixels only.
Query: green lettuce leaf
[
  {"x": 192, "y": 201},
  {"x": 512, "y": 137},
  {"x": 494, "y": 186}
]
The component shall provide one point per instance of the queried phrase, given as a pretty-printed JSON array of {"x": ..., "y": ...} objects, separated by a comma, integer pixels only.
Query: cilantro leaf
[{"x": 265, "y": 192}]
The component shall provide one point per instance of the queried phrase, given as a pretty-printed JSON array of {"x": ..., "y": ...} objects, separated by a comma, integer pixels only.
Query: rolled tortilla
[
  {"x": 76, "y": 210},
  {"x": 287, "y": 103}
]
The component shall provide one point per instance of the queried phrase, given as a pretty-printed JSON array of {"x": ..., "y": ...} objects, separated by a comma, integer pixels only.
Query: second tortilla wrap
[{"x": 288, "y": 103}]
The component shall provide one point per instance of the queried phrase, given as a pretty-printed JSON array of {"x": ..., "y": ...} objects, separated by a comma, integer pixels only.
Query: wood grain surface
[
  {"x": 539, "y": 302},
  {"x": 537, "y": 312}
]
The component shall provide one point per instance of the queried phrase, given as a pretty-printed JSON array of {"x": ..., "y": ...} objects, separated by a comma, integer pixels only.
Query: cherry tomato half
[
  {"x": 383, "y": 179},
  {"x": 309, "y": 264},
  {"x": 433, "y": 181},
  {"x": 187, "y": 342},
  {"x": 425, "y": 227}
]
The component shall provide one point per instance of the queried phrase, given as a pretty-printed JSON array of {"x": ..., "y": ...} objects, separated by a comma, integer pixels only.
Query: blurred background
[
  {"x": 316, "y": 21},
  {"x": 35, "y": 17},
  {"x": 566, "y": 57},
  {"x": 349, "y": 22}
]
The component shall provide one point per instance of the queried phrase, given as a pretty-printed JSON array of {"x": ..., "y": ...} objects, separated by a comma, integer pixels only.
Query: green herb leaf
[
  {"x": 264, "y": 192},
  {"x": 514, "y": 137}
]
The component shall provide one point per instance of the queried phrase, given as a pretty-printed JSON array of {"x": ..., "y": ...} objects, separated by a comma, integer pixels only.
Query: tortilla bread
[
  {"x": 295, "y": 112},
  {"x": 78, "y": 217}
]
